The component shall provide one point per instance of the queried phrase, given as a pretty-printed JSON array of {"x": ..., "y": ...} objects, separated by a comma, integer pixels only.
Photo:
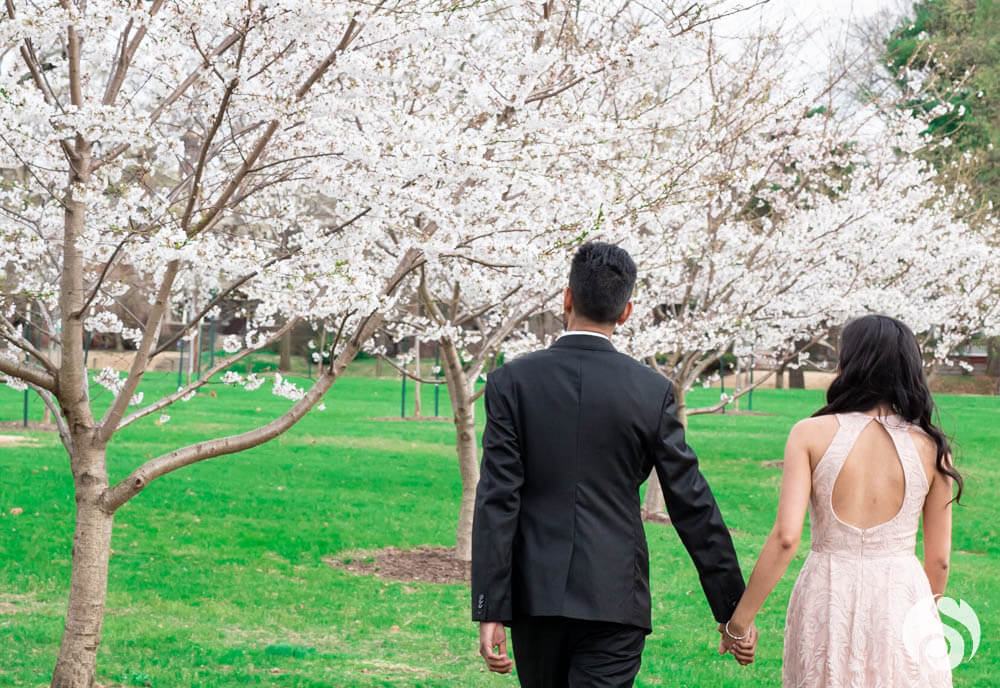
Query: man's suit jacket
[{"x": 572, "y": 432}]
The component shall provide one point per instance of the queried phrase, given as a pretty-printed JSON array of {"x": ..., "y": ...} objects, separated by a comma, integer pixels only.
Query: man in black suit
[{"x": 558, "y": 546}]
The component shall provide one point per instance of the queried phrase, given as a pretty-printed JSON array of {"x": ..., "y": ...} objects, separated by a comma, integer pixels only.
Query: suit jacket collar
[{"x": 583, "y": 341}]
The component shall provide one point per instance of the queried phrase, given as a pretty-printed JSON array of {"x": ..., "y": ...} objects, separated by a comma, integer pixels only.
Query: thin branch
[
  {"x": 104, "y": 273},
  {"x": 225, "y": 45},
  {"x": 479, "y": 261},
  {"x": 203, "y": 155},
  {"x": 57, "y": 415},
  {"x": 117, "y": 78},
  {"x": 757, "y": 383},
  {"x": 27, "y": 347},
  {"x": 729, "y": 399},
  {"x": 272, "y": 127},
  {"x": 407, "y": 373}
]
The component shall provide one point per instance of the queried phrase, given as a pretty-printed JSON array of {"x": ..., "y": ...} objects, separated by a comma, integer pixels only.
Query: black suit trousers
[{"x": 558, "y": 652}]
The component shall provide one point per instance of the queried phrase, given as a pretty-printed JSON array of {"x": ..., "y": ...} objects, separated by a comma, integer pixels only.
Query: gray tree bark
[
  {"x": 654, "y": 506},
  {"x": 285, "y": 362},
  {"x": 77, "y": 661},
  {"x": 796, "y": 378},
  {"x": 993, "y": 357},
  {"x": 461, "y": 393}
]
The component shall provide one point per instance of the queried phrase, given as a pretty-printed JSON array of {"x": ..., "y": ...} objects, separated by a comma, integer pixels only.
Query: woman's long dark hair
[{"x": 880, "y": 363}]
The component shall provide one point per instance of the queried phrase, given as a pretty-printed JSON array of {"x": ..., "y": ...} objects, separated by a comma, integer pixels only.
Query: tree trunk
[
  {"x": 417, "y": 404},
  {"x": 993, "y": 356},
  {"x": 460, "y": 391},
  {"x": 77, "y": 660},
  {"x": 796, "y": 378},
  {"x": 654, "y": 507},
  {"x": 779, "y": 377},
  {"x": 285, "y": 362},
  {"x": 737, "y": 383}
]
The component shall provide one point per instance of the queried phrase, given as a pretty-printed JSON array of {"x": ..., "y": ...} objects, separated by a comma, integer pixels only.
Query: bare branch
[
  {"x": 225, "y": 45},
  {"x": 203, "y": 155},
  {"x": 104, "y": 273},
  {"x": 407, "y": 373},
  {"x": 739, "y": 393},
  {"x": 28, "y": 373},
  {"x": 151, "y": 331},
  {"x": 117, "y": 77},
  {"x": 57, "y": 415},
  {"x": 478, "y": 393}
]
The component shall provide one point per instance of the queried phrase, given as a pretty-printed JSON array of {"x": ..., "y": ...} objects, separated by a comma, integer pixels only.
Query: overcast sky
[{"x": 817, "y": 30}]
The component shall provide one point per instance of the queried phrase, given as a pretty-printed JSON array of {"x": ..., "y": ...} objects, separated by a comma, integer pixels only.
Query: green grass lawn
[{"x": 217, "y": 572}]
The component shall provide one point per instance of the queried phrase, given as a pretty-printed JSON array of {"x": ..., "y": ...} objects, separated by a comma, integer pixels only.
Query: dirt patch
[
  {"x": 32, "y": 425},
  {"x": 776, "y": 463},
  {"x": 424, "y": 564},
  {"x": 964, "y": 384},
  {"x": 413, "y": 419},
  {"x": 17, "y": 440}
]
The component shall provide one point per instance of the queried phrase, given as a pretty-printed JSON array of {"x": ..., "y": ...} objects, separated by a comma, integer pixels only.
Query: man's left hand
[{"x": 493, "y": 647}]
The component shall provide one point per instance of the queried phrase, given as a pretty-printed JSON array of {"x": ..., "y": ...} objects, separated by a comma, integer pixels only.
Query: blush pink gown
[{"x": 860, "y": 614}]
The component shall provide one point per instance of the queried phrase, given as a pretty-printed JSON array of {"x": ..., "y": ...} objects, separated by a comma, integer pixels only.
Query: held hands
[
  {"x": 493, "y": 647},
  {"x": 742, "y": 649}
]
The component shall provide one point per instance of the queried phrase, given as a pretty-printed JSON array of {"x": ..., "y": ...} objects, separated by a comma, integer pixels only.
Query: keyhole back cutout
[{"x": 871, "y": 485}]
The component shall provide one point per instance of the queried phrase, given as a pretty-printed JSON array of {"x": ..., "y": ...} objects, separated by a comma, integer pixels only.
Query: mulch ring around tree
[
  {"x": 424, "y": 564},
  {"x": 33, "y": 425}
]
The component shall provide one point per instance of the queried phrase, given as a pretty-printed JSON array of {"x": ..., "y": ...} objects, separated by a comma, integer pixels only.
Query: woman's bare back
[{"x": 870, "y": 487}]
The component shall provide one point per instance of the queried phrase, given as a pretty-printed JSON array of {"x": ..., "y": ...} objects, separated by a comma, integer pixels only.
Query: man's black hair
[{"x": 601, "y": 280}]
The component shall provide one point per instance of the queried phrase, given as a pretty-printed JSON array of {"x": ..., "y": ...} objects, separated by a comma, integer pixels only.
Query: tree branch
[
  {"x": 205, "y": 379},
  {"x": 117, "y": 77},
  {"x": 240, "y": 281},
  {"x": 405, "y": 372},
  {"x": 203, "y": 155},
  {"x": 104, "y": 273},
  {"x": 28, "y": 373},
  {"x": 57, "y": 415},
  {"x": 151, "y": 332},
  {"x": 114, "y": 497},
  {"x": 9, "y": 333}
]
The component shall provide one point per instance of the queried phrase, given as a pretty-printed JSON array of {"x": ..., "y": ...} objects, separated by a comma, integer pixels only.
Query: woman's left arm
[
  {"x": 937, "y": 532},
  {"x": 783, "y": 542}
]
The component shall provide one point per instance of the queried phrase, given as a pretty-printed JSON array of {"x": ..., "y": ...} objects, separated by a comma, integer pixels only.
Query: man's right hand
[{"x": 493, "y": 647}]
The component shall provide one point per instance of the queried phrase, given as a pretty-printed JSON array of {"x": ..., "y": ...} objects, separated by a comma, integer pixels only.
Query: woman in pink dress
[{"x": 868, "y": 465}]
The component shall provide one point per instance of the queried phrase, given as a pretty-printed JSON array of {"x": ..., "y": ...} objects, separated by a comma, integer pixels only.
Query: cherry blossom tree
[
  {"x": 767, "y": 219},
  {"x": 337, "y": 162},
  {"x": 192, "y": 154},
  {"x": 554, "y": 122}
]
